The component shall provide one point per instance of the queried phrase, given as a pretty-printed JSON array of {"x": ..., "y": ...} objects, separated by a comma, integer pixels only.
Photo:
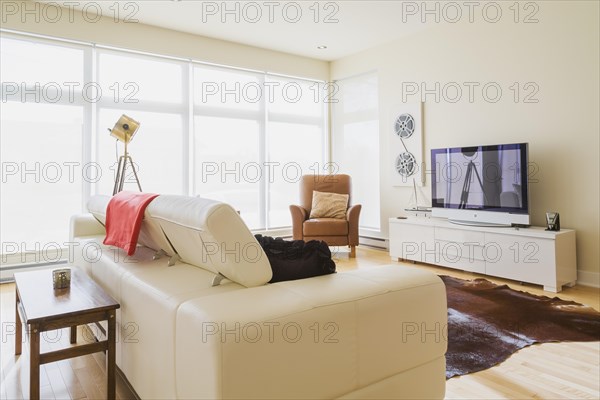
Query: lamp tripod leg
[
  {"x": 120, "y": 172},
  {"x": 135, "y": 173}
]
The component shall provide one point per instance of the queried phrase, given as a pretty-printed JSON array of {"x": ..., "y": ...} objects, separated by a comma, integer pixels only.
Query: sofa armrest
[
  {"x": 352, "y": 215},
  {"x": 85, "y": 225},
  {"x": 299, "y": 215}
]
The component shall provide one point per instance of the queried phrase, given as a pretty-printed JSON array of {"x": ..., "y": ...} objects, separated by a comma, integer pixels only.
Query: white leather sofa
[{"x": 369, "y": 333}]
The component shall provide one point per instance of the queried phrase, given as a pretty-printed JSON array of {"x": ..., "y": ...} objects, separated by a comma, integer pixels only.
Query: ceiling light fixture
[{"x": 321, "y": 47}]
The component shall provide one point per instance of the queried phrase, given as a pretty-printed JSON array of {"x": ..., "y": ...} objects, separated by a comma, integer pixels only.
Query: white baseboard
[
  {"x": 588, "y": 278},
  {"x": 373, "y": 242}
]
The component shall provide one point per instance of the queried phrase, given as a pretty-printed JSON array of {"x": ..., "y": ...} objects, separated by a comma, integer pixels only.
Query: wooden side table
[{"x": 43, "y": 309}]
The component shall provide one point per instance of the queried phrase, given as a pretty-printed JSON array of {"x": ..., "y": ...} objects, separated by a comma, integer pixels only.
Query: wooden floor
[{"x": 548, "y": 371}]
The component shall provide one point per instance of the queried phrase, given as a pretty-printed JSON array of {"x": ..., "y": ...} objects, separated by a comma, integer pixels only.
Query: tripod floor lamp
[{"x": 123, "y": 131}]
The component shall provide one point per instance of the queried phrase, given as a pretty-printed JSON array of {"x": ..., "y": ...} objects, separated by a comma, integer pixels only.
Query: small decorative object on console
[
  {"x": 419, "y": 211},
  {"x": 553, "y": 221},
  {"x": 61, "y": 278}
]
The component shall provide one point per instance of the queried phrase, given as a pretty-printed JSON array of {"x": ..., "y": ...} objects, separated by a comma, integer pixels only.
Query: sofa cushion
[
  {"x": 151, "y": 234},
  {"x": 96, "y": 205},
  {"x": 204, "y": 233},
  {"x": 329, "y": 205},
  {"x": 211, "y": 235},
  {"x": 325, "y": 227}
]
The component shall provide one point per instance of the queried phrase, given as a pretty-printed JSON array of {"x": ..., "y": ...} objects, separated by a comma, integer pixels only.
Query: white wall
[
  {"x": 560, "y": 54},
  {"x": 140, "y": 37}
]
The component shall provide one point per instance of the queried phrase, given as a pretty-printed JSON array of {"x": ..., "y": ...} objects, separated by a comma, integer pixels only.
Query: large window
[
  {"x": 356, "y": 143},
  {"x": 227, "y": 164},
  {"x": 296, "y": 143},
  {"x": 41, "y": 141},
  {"x": 41, "y": 182},
  {"x": 237, "y": 136},
  {"x": 156, "y": 152},
  {"x": 255, "y": 135},
  {"x": 150, "y": 90}
]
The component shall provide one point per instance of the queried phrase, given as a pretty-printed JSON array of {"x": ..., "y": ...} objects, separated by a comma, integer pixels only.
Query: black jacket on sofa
[{"x": 296, "y": 259}]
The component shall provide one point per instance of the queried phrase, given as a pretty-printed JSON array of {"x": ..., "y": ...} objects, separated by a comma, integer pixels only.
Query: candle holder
[{"x": 61, "y": 278}]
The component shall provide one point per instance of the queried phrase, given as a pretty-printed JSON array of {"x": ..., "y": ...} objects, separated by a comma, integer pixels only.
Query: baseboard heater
[
  {"x": 378, "y": 243},
  {"x": 7, "y": 272}
]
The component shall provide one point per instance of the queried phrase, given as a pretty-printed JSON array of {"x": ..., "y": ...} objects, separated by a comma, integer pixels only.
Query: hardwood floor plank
[
  {"x": 12, "y": 379},
  {"x": 76, "y": 392},
  {"x": 565, "y": 381},
  {"x": 563, "y": 355},
  {"x": 101, "y": 361},
  {"x": 474, "y": 382},
  {"x": 505, "y": 386},
  {"x": 78, "y": 362},
  {"x": 550, "y": 363},
  {"x": 3, "y": 394},
  {"x": 472, "y": 389},
  {"x": 88, "y": 384},
  {"x": 59, "y": 387},
  {"x": 46, "y": 392},
  {"x": 98, "y": 375}
]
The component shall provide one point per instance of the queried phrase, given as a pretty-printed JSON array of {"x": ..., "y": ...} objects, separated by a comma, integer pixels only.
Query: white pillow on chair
[{"x": 329, "y": 205}]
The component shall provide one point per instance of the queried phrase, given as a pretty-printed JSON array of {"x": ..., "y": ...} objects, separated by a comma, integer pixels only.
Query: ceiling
[{"x": 297, "y": 27}]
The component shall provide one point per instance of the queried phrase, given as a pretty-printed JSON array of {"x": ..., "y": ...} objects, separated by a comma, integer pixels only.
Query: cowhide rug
[{"x": 488, "y": 322}]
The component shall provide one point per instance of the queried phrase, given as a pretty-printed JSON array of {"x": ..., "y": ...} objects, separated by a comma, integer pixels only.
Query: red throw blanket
[{"x": 124, "y": 216}]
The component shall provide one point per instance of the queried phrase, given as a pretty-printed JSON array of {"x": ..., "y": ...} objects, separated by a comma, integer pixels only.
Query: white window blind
[{"x": 355, "y": 142}]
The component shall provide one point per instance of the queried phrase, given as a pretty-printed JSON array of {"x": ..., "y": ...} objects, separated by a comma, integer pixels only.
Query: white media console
[{"x": 531, "y": 255}]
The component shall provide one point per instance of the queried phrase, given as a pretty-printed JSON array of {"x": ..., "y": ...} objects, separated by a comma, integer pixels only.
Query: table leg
[
  {"x": 74, "y": 334},
  {"x": 111, "y": 357},
  {"x": 34, "y": 363},
  {"x": 19, "y": 327}
]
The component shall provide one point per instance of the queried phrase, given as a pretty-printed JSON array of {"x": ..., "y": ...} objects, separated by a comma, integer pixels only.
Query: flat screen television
[{"x": 481, "y": 185}]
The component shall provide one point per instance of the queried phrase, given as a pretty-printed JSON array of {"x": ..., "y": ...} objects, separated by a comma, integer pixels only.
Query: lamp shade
[{"x": 125, "y": 128}]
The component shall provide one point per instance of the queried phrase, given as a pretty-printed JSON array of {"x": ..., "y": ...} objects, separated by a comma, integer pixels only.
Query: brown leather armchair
[{"x": 333, "y": 231}]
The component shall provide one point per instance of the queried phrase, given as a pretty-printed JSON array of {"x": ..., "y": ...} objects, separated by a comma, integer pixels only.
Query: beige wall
[
  {"x": 560, "y": 54},
  {"x": 140, "y": 37}
]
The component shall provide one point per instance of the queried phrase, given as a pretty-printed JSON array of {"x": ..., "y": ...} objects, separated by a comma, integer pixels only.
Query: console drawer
[
  {"x": 465, "y": 264},
  {"x": 452, "y": 250},
  {"x": 412, "y": 242},
  {"x": 521, "y": 258},
  {"x": 459, "y": 235}
]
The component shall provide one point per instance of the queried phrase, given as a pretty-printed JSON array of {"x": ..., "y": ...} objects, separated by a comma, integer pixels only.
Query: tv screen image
[{"x": 490, "y": 178}]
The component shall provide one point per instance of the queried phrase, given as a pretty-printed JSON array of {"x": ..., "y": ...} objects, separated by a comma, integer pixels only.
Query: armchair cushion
[
  {"x": 325, "y": 227},
  {"x": 329, "y": 205}
]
